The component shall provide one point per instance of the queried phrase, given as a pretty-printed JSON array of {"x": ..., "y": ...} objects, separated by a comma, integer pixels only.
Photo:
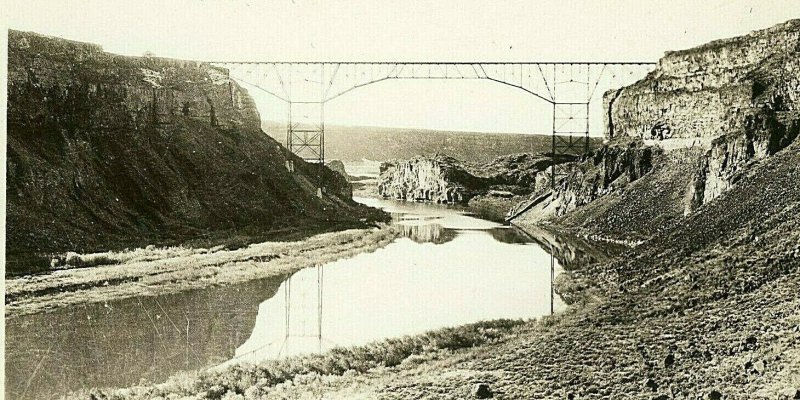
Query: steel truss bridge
[{"x": 573, "y": 91}]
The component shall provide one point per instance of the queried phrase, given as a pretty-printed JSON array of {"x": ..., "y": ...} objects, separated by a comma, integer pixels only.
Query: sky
[{"x": 467, "y": 30}]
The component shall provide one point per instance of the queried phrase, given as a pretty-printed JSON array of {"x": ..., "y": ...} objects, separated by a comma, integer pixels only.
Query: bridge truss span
[{"x": 573, "y": 90}]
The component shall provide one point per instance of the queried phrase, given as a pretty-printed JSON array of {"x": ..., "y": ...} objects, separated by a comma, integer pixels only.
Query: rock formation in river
[
  {"x": 443, "y": 179},
  {"x": 690, "y": 129},
  {"x": 108, "y": 151},
  {"x": 439, "y": 179}
]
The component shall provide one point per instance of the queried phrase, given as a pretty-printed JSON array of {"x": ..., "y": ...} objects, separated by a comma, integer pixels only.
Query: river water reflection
[{"x": 447, "y": 269}]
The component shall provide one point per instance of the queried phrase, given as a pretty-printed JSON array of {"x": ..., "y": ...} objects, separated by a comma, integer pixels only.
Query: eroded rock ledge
[{"x": 736, "y": 97}]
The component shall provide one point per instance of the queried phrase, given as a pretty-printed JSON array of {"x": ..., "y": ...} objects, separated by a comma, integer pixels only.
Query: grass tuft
[{"x": 250, "y": 381}]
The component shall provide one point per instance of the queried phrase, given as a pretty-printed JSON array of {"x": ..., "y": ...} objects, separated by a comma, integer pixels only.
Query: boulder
[
  {"x": 714, "y": 395},
  {"x": 482, "y": 391},
  {"x": 669, "y": 360},
  {"x": 338, "y": 167}
]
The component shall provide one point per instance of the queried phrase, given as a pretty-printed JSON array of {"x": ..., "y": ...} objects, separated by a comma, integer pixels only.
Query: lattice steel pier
[{"x": 573, "y": 89}]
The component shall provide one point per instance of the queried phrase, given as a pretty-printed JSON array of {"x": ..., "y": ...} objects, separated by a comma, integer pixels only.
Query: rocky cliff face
[
  {"x": 606, "y": 170},
  {"x": 717, "y": 108},
  {"x": 710, "y": 90},
  {"x": 106, "y": 151},
  {"x": 526, "y": 170},
  {"x": 736, "y": 98}
]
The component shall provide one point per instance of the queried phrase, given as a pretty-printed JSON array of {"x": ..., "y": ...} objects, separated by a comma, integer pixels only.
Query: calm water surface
[{"x": 448, "y": 269}]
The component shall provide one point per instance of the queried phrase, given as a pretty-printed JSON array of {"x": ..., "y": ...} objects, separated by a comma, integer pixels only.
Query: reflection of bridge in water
[
  {"x": 301, "y": 335},
  {"x": 573, "y": 90},
  {"x": 427, "y": 233},
  {"x": 570, "y": 252},
  {"x": 408, "y": 289},
  {"x": 294, "y": 335}
]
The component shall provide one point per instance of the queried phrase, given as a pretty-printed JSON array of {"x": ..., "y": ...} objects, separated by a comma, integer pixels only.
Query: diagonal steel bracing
[{"x": 573, "y": 89}]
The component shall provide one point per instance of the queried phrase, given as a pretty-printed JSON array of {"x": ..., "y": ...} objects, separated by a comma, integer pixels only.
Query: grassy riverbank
[
  {"x": 152, "y": 271},
  {"x": 255, "y": 381}
]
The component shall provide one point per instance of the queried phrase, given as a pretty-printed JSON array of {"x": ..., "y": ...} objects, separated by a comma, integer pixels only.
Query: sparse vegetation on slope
[{"x": 706, "y": 309}]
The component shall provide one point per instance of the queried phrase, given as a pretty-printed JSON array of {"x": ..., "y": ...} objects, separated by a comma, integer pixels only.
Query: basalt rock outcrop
[
  {"x": 443, "y": 179},
  {"x": 737, "y": 98},
  {"x": 604, "y": 171},
  {"x": 698, "y": 121},
  {"x": 108, "y": 151},
  {"x": 523, "y": 170},
  {"x": 439, "y": 179}
]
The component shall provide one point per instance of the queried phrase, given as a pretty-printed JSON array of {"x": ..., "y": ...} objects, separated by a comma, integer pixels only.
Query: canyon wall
[
  {"x": 710, "y": 90},
  {"x": 700, "y": 119},
  {"x": 107, "y": 151},
  {"x": 736, "y": 98}
]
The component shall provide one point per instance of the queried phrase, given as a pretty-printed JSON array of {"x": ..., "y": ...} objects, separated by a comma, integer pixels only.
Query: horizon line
[
  {"x": 436, "y": 130},
  {"x": 433, "y": 62}
]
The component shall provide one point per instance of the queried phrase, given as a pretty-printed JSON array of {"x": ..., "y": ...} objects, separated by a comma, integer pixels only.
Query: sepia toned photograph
[{"x": 352, "y": 199}]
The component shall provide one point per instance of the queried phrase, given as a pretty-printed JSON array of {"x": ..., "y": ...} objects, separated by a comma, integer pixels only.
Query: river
[{"x": 449, "y": 268}]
